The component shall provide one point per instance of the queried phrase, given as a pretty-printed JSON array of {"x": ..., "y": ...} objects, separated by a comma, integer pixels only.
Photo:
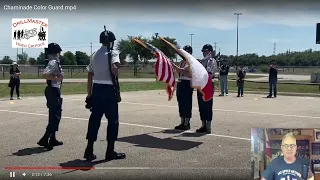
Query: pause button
[{"x": 12, "y": 174}]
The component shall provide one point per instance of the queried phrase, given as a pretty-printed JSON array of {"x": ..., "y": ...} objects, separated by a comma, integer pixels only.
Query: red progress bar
[{"x": 47, "y": 168}]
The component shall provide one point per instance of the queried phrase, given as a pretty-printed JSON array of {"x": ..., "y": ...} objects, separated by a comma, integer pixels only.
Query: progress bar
[
  {"x": 17, "y": 168},
  {"x": 169, "y": 168}
]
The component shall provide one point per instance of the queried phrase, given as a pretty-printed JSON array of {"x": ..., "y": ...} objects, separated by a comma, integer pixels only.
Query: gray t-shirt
[
  {"x": 54, "y": 68},
  {"x": 280, "y": 170},
  {"x": 99, "y": 66}
]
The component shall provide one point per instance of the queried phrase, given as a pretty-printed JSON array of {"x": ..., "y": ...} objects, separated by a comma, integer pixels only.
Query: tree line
[
  {"x": 67, "y": 58},
  {"x": 140, "y": 55}
]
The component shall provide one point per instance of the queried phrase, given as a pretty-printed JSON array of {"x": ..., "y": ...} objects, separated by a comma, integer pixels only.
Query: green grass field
[
  {"x": 122, "y": 75},
  {"x": 78, "y": 88},
  {"x": 264, "y": 87},
  {"x": 81, "y": 75},
  {"x": 81, "y": 88}
]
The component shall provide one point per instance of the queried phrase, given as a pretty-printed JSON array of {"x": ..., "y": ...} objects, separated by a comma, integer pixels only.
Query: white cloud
[{"x": 222, "y": 15}]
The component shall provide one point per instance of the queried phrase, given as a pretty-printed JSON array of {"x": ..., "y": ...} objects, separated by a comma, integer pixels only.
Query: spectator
[
  {"x": 223, "y": 76},
  {"x": 273, "y": 79},
  {"x": 14, "y": 80},
  {"x": 240, "y": 81}
]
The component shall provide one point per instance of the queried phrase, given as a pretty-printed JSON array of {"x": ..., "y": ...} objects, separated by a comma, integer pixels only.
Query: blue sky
[{"x": 291, "y": 26}]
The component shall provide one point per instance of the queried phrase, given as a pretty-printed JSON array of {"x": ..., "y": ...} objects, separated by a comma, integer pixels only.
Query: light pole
[
  {"x": 191, "y": 34},
  {"x": 237, "y": 14}
]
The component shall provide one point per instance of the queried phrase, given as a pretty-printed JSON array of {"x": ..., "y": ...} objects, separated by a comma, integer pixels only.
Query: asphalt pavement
[{"x": 154, "y": 150}]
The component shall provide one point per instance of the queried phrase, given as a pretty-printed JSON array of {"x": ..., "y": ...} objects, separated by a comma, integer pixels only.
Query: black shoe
[
  {"x": 183, "y": 127},
  {"x": 203, "y": 127},
  {"x": 201, "y": 130},
  {"x": 55, "y": 142},
  {"x": 44, "y": 143},
  {"x": 238, "y": 96},
  {"x": 269, "y": 96},
  {"x": 186, "y": 127},
  {"x": 114, "y": 155},
  {"x": 179, "y": 127},
  {"x": 89, "y": 156}
]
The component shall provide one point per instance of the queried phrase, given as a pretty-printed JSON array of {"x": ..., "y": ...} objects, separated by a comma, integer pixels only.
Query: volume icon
[{"x": 12, "y": 174}]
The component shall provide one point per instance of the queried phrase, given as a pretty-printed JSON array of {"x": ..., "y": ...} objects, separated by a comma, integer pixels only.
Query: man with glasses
[{"x": 288, "y": 166}]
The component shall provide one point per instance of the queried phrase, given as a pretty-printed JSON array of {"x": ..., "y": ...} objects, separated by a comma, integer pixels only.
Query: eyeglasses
[{"x": 286, "y": 146}]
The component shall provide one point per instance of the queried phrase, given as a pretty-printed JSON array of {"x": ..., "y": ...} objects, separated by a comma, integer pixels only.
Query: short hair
[{"x": 288, "y": 135}]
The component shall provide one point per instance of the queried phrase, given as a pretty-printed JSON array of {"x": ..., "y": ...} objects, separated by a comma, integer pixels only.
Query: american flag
[{"x": 164, "y": 70}]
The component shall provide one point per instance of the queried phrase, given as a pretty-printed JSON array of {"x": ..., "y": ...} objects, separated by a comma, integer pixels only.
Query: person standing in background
[
  {"x": 273, "y": 79},
  {"x": 14, "y": 80},
  {"x": 240, "y": 81},
  {"x": 223, "y": 76}
]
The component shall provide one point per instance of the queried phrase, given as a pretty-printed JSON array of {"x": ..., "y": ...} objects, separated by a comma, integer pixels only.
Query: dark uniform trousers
[
  {"x": 184, "y": 98},
  {"x": 205, "y": 108},
  {"x": 54, "y": 103},
  {"x": 104, "y": 102},
  {"x": 240, "y": 84}
]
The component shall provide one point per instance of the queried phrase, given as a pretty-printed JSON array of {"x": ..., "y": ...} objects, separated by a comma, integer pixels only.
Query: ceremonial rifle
[{"x": 114, "y": 78}]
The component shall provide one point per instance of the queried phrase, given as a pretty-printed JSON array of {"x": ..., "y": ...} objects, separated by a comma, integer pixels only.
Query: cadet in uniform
[
  {"x": 184, "y": 92},
  {"x": 102, "y": 98},
  {"x": 54, "y": 75},
  {"x": 205, "y": 108}
]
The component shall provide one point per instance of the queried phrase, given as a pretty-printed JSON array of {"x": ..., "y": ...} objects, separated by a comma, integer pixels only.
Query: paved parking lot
[{"x": 153, "y": 149}]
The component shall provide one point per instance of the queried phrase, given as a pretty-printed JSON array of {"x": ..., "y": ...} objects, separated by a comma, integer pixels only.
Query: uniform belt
[
  {"x": 185, "y": 78},
  {"x": 55, "y": 85},
  {"x": 102, "y": 82}
]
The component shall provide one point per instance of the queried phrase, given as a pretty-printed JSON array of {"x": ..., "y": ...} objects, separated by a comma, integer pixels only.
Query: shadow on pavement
[
  {"x": 171, "y": 131},
  {"x": 79, "y": 164},
  {"x": 148, "y": 141},
  {"x": 29, "y": 151}
]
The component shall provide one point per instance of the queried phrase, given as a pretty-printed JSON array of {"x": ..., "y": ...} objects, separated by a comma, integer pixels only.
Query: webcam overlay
[{"x": 285, "y": 154}]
